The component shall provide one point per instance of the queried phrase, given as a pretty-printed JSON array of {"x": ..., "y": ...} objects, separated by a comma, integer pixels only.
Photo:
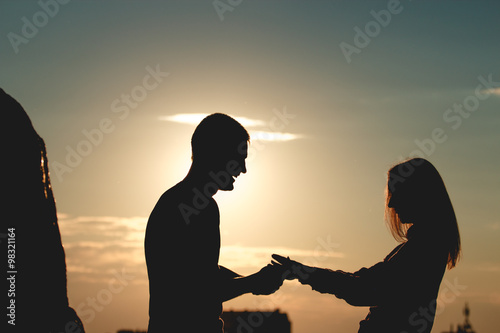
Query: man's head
[{"x": 219, "y": 146}]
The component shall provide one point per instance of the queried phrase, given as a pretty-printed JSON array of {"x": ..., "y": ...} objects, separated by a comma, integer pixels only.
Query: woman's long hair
[
  {"x": 416, "y": 185},
  {"x": 29, "y": 207}
]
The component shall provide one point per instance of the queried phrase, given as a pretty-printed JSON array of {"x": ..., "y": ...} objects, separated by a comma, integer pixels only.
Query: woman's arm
[
  {"x": 410, "y": 270},
  {"x": 362, "y": 288}
]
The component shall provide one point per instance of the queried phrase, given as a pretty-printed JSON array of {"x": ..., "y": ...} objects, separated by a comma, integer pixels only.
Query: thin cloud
[
  {"x": 257, "y": 135},
  {"x": 105, "y": 227},
  {"x": 493, "y": 91},
  {"x": 196, "y": 118},
  {"x": 97, "y": 245},
  {"x": 274, "y": 136},
  {"x": 239, "y": 256},
  {"x": 493, "y": 226}
]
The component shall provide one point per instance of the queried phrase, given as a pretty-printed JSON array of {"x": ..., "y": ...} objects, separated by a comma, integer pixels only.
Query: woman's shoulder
[{"x": 422, "y": 246}]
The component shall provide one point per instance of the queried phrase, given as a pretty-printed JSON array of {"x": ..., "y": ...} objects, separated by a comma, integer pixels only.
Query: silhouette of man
[{"x": 182, "y": 243}]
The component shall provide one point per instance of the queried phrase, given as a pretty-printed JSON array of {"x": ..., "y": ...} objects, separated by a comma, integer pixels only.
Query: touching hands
[
  {"x": 267, "y": 280},
  {"x": 292, "y": 269},
  {"x": 270, "y": 278}
]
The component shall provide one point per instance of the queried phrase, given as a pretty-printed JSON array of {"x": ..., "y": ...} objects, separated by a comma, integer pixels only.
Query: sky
[{"x": 333, "y": 93}]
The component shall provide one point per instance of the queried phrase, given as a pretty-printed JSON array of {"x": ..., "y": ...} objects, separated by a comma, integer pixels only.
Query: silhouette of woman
[{"x": 402, "y": 289}]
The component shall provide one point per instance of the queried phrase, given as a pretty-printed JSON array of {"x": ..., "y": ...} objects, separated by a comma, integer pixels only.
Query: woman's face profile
[{"x": 403, "y": 206}]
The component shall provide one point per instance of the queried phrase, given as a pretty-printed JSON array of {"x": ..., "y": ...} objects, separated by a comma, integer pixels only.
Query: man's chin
[{"x": 229, "y": 187}]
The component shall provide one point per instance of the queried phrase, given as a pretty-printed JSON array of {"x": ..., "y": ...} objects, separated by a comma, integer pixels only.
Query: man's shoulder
[
  {"x": 186, "y": 203},
  {"x": 166, "y": 213},
  {"x": 177, "y": 193},
  {"x": 187, "y": 194}
]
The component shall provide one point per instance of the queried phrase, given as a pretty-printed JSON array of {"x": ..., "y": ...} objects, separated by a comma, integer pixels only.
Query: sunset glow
[{"x": 331, "y": 98}]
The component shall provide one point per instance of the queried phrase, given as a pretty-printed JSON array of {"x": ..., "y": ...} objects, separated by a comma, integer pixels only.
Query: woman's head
[{"x": 416, "y": 195}]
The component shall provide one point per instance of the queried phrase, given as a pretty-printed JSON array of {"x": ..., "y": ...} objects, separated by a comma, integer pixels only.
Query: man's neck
[{"x": 199, "y": 177}]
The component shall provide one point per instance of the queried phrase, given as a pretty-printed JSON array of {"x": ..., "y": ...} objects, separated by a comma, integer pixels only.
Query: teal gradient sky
[{"x": 317, "y": 196}]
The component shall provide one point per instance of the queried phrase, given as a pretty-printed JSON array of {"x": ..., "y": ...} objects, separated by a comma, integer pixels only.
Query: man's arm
[
  {"x": 227, "y": 274},
  {"x": 264, "y": 282}
]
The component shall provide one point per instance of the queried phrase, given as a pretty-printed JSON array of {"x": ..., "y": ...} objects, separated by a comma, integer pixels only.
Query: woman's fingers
[{"x": 281, "y": 259}]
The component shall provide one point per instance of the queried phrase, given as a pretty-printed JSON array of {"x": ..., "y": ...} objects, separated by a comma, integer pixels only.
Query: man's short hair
[{"x": 216, "y": 135}]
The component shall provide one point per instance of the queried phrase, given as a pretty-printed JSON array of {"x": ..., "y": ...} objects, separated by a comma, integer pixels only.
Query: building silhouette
[
  {"x": 249, "y": 322},
  {"x": 256, "y": 322},
  {"x": 466, "y": 327}
]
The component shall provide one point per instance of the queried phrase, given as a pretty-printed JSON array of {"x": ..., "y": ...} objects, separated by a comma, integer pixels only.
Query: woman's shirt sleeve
[
  {"x": 361, "y": 288},
  {"x": 409, "y": 270}
]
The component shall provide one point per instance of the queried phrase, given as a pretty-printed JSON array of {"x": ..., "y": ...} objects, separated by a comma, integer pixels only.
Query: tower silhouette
[{"x": 466, "y": 327}]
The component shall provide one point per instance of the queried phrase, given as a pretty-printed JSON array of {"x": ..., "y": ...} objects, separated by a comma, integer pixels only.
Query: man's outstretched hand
[{"x": 267, "y": 280}]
